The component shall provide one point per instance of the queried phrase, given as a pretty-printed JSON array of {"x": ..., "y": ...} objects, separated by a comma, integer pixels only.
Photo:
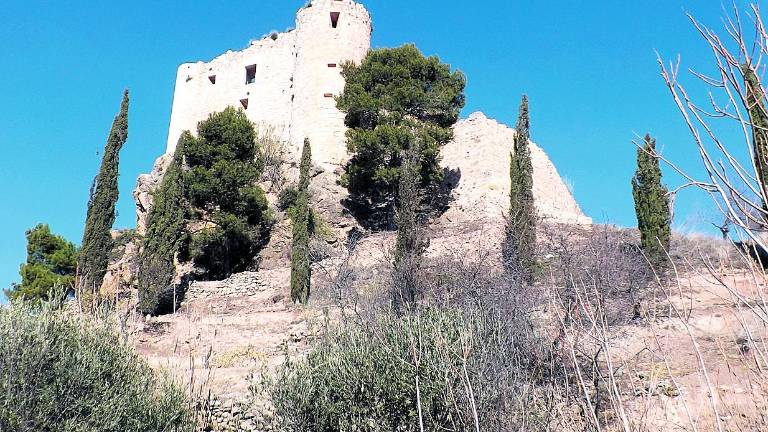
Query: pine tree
[
  {"x": 520, "y": 244},
  {"x": 393, "y": 97},
  {"x": 51, "y": 264},
  {"x": 758, "y": 117},
  {"x": 301, "y": 269},
  {"x": 166, "y": 237},
  {"x": 97, "y": 238},
  {"x": 222, "y": 168},
  {"x": 651, "y": 204},
  {"x": 410, "y": 243}
]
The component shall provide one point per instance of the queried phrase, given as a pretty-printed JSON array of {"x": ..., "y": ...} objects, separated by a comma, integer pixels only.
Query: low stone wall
[
  {"x": 237, "y": 416},
  {"x": 241, "y": 284}
]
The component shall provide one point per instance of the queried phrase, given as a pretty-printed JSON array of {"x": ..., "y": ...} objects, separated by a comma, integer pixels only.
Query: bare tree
[{"x": 736, "y": 98}]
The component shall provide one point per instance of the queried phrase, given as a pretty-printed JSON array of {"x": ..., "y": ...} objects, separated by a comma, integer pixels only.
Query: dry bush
[
  {"x": 601, "y": 292},
  {"x": 275, "y": 156},
  {"x": 603, "y": 260}
]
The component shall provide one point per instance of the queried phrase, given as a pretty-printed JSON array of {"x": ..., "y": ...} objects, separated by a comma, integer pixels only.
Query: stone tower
[
  {"x": 328, "y": 33},
  {"x": 286, "y": 81}
]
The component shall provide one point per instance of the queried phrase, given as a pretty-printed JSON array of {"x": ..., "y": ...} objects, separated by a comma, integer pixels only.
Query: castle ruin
[{"x": 288, "y": 82}]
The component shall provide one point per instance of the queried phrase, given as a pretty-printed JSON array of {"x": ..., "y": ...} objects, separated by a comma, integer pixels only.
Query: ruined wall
[
  {"x": 297, "y": 73},
  {"x": 204, "y": 88}
]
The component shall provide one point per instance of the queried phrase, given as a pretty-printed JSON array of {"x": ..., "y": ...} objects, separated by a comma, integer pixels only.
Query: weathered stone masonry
[{"x": 286, "y": 80}]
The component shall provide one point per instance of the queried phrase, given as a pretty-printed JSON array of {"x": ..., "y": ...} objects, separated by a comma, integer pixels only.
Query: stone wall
[{"x": 297, "y": 75}]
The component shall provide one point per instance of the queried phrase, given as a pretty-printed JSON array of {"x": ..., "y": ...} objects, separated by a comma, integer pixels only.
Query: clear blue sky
[{"x": 589, "y": 69}]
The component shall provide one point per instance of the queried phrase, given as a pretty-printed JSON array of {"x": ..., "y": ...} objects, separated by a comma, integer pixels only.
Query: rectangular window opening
[
  {"x": 212, "y": 79},
  {"x": 335, "y": 19},
  {"x": 244, "y": 103},
  {"x": 250, "y": 74},
  {"x": 328, "y": 95},
  {"x": 331, "y": 65}
]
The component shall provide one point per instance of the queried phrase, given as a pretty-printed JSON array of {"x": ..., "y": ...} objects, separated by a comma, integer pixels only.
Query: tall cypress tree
[
  {"x": 97, "y": 238},
  {"x": 166, "y": 236},
  {"x": 651, "y": 204},
  {"x": 301, "y": 269},
  {"x": 410, "y": 243},
  {"x": 520, "y": 244},
  {"x": 758, "y": 118}
]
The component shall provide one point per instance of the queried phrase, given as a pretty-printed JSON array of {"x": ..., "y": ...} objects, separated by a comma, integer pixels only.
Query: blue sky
[{"x": 588, "y": 67}]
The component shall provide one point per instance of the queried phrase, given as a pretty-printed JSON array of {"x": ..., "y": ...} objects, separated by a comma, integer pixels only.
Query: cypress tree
[
  {"x": 410, "y": 244},
  {"x": 651, "y": 204},
  {"x": 520, "y": 244},
  {"x": 758, "y": 118},
  {"x": 301, "y": 269},
  {"x": 97, "y": 238},
  {"x": 166, "y": 236}
]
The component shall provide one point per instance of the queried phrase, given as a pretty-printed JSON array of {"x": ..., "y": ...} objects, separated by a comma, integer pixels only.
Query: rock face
[
  {"x": 480, "y": 155},
  {"x": 145, "y": 185}
]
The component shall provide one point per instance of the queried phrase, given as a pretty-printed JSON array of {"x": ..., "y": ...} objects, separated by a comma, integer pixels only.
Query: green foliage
[
  {"x": 287, "y": 198},
  {"x": 758, "y": 118},
  {"x": 67, "y": 373},
  {"x": 51, "y": 262},
  {"x": 410, "y": 244},
  {"x": 166, "y": 238},
  {"x": 97, "y": 239},
  {"x": 220, "y": 182},
  {"x": 520, "y": 244},
  {"x": 379, "y": 375},
  {"x": 651, "y": 204},
  {"x": 301, "y": 270},
  {"x": 395, "y": 98}
]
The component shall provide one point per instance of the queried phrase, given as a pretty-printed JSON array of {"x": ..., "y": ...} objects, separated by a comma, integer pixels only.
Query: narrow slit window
[
  {"x": 335, "y": 19},
  {"x": 328, "y": 95},
  {"x": 244, "y": 103},
  {"x": 212, "y": 79},
  {"x": 331, "y": 65},
  {"x": 250, "y": 74}
]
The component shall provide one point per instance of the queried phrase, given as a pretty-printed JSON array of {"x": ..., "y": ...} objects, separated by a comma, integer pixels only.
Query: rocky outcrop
[
  {"x": 145, "y": 186},
  {"x": 122, "y": 270},
  {"x": 479, "y": 157}
]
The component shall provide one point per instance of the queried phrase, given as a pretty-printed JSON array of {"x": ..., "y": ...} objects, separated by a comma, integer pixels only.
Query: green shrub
[
  {"x": 441, "y": 366},
  {"x": 166, "y": 238},
  {"x": 301, "y": 263},
  {"x": 287, "y": 198},
  {"x": 519, "y": 247},
  {"x": 62, "y": 372},
  {"x": 651, "y": 205},
  {"x": 97, "y": 243}
]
